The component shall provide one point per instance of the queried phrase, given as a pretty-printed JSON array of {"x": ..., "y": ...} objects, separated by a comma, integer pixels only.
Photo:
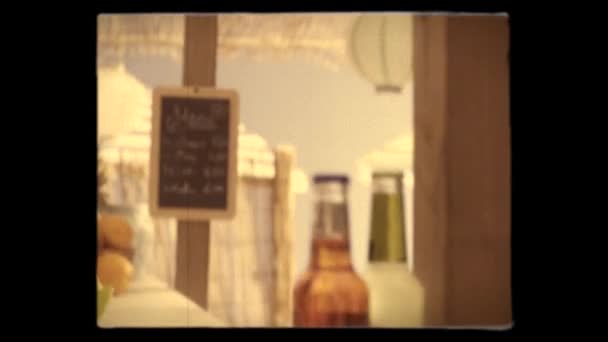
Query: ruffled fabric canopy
[{"x": 322, "y": 38}]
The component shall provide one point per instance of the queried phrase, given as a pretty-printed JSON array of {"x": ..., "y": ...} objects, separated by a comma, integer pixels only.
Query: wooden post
[
  {"x": 283, "y": 236},
  {"x": 462, "y": 169},
  {"x": 192, "y": 269},
  {"x": 430, "y": 54}
]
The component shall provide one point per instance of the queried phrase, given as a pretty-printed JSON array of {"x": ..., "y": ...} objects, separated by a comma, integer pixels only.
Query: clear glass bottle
[
  {"x": 330, "y": 293},
  {"x": 396, "y": 295}
]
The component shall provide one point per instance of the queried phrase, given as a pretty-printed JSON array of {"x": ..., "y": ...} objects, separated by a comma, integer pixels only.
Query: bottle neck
[
  {"x": 330, "y": 254},
  {"x": 387, "y": 235},
  {"x": 331, "y": 247}
]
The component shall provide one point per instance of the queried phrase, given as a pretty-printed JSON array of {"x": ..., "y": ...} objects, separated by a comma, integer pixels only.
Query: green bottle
[
  {"x": 396, "y": 296},
  {"x": 387, "y": 239}
]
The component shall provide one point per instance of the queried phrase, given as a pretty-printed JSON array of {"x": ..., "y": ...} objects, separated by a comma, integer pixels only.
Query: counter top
[{"x": 151, "y": 303}]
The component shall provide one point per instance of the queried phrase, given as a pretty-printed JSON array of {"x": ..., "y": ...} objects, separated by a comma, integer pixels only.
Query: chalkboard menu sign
[{"x": 193, "y": 155}]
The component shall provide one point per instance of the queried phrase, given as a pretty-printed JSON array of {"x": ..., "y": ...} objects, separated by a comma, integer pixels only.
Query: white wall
[{"x": 332, "y": 118}]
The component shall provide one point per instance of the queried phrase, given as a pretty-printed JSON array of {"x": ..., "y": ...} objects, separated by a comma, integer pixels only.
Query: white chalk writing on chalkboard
[
  {"x": 183, "y": 117},
  {"x": 218, "y": 110},
  {"x": 217, "y": 157},
  {"x": 196, "y": 145},
  {"x": 187, "y": 171},
  {"x": 183, "y": 142},
  {"x": 213, "y": 172},
  {"x": 209, "y": 188},
  {"x": 185, "y": 156},
  {"x": 183, "y": 189},
  {"x": 168, "y": 170},
  {"x": 218, "y": 171}
]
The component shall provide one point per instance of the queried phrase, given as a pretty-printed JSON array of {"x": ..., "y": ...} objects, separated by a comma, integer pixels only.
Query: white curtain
[
  {"x": 241, "y": 270},
  {"x": 251, "y": 261},
  {"x": 251, "y": 269}
]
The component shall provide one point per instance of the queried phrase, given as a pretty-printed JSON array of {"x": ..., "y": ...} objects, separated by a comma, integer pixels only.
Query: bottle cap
[
  {"x": 392, "y": 174},
  {"x": 328, "y": 177}
]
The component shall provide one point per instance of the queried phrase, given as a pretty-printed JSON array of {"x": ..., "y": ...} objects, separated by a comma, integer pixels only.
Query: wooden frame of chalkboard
[{"x": 193, "y": 170}]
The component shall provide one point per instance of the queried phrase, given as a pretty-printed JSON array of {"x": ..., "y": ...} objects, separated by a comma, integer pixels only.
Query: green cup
[{"x": 103, "y": 297}]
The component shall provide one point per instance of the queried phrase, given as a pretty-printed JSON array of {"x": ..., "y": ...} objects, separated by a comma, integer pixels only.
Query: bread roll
[
  {"x": 116, "y": 232},
  {"x": 115, "y": 270}
]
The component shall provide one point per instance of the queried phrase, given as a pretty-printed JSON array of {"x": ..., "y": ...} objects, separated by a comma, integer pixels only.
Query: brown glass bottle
[{"x": 330, "y": 293}]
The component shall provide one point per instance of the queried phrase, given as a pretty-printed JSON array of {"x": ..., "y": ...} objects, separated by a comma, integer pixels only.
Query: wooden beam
[
  {"x": 283, "y": 236},
  {"x": 462, "y": 169},
  {"x": 200, "y": 50},
  {"x": 430, "y": 191},
  {"x": 192, "y": 269},
  {"x": 192, "y": 265}
]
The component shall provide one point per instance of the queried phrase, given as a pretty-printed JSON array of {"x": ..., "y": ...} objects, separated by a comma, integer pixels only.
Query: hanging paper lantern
[{"x": 381, "y": 49}]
